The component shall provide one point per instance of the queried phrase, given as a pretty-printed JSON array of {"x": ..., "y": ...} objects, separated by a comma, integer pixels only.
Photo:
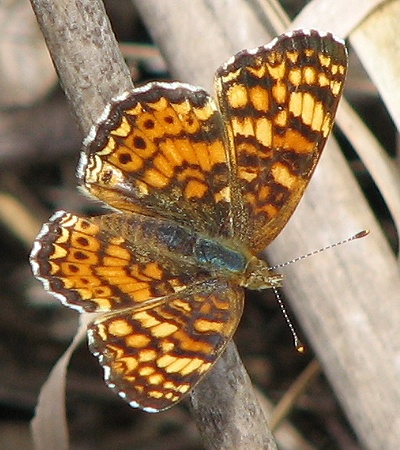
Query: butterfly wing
[
  {"x": 109, "y": 262},
  {"x": 153, "y": 356},
  {"x": 160, "y": 151},
  {"x": 278, "y": 102},
  {"x": 163, "y": 325}
]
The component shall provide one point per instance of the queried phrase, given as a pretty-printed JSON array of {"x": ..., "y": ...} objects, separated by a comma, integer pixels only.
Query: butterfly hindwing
[
  {"x": 155, "y": 355},
  {"x": 104, "y": 263}
]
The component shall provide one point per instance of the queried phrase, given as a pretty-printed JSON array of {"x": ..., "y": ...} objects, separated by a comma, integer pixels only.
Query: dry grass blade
[
  {"x": 18, "y": 219},
  {"x": 339, "y": 17},
  {"x": 25, "y": 65},
  {"x": 287, "y": 402},
  {"x": 376, "y": 44},
  {"x": 49, "y": 426},
  {"x": 380, "y": 166}
]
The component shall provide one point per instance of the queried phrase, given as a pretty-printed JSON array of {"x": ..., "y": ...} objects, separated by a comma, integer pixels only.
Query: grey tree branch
[
  {"x": 92, "y": 71},
  {"x": 227, "y": 413},
  {"x": 347, "y": 299},
  {"x": 85, "y": 53}
]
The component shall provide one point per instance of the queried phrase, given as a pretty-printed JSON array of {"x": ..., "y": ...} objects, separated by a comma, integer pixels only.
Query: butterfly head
[{"x": 259, "y": 276}]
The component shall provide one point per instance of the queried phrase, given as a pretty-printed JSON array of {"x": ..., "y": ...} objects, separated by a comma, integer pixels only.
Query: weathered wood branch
[
  {"x": 92, "y": 71},
  {"x": 347, "y": 299}
]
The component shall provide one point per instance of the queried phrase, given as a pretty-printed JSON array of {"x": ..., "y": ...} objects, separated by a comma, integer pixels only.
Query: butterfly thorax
[{"x": 247, "y": 270}]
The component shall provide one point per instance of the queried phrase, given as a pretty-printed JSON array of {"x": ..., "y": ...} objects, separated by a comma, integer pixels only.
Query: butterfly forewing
[
  {"x": 161, "y": 152},
  {"x": 279, "y": 103}
]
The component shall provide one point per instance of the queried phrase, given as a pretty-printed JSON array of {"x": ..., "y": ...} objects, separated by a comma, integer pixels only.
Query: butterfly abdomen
[{"x": 185, "y": 248}]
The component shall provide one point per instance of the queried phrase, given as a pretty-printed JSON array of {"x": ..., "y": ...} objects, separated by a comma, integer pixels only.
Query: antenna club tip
[
  {"x": 361, "y": 234},
  {"x": 300, "y": 348}
]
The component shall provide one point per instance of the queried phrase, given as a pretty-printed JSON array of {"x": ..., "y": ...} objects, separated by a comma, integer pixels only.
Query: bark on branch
[{"x": 92, "y": 71}]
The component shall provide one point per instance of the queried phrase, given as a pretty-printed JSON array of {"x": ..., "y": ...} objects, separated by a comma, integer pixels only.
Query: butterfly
[{"x": 197, "y": 188}]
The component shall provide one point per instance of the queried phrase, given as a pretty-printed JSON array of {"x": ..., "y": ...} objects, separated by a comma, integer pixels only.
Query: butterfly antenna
[
  {"x": 297, "y": 342},
  {"x": 358, "y": 235}
]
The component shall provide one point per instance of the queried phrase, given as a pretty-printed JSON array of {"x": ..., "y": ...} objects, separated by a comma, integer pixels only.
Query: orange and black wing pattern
[
  {"x": 161, "y": 152},
  {"x": 155, "y": 355},
  {"x": 278, "y": 103},
  {"x": 110, "y": 262}
]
